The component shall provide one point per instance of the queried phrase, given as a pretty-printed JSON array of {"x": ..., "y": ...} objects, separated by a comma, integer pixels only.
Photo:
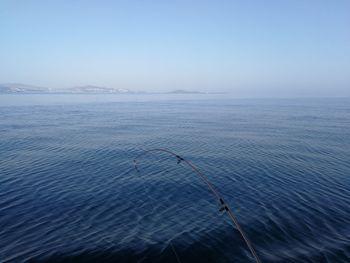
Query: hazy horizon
[{"x": 269, "y": 49}]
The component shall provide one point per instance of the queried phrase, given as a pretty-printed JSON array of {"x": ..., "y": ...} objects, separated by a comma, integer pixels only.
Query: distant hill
[
  {"x": 87, "y": 89},
  {"x": 95, "y": 89},
  {"x": 22, "y": 88},
  {"x": 181, "y": 91}
]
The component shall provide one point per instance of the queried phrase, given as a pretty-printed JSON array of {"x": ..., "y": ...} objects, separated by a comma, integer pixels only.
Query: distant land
[
  {"x": 181, "y": 91},
  {"x": 88, "y": 89},
  {"x": 22, "y": 88}
]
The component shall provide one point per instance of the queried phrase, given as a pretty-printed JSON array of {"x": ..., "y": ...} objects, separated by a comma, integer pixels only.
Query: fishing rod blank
[{"x": 223, "y": 206}]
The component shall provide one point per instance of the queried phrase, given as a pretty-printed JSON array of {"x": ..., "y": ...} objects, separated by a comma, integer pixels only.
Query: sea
[{"x": 69, "y": 191}]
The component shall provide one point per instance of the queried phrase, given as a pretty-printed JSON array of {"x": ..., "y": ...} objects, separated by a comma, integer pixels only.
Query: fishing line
[
  {"x": 223, "y": 206},
  {"x": 170, "y": 241}
]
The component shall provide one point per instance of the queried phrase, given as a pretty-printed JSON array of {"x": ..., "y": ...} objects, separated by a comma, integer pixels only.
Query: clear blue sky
[{"x": 250, "y": 48}]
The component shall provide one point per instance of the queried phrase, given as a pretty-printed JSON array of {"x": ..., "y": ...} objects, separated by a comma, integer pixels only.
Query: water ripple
[{"x": 69, "y": 192}]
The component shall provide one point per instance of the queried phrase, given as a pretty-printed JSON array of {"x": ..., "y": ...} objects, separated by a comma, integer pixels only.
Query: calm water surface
[{"x": 69, "y": 193}]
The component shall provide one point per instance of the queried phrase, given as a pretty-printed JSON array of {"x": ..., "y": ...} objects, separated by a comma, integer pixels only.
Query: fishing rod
[{"x": 223, "y": 206}]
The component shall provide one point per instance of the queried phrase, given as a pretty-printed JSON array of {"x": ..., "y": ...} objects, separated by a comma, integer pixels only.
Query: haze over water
[
  {"x": 69, "y": 191},
  {"x": 249, "y": 48}
]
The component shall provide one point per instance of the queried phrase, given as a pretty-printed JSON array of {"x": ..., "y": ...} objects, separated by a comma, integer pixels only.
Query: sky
[{"x": 248, "y": 48}]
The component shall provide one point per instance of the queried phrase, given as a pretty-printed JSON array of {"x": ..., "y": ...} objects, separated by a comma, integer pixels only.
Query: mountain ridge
[{"x": 85, "y": 89}]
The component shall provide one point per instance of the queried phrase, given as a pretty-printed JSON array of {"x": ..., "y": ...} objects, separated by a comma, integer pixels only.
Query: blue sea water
[{"x": 69, "y": 191}]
